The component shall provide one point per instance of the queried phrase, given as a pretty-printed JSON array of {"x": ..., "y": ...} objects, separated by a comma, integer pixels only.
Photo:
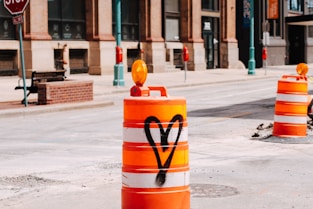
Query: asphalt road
[{"x": 72, "y": 159}]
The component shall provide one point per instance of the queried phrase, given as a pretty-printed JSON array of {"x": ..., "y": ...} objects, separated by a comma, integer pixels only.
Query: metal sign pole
[
  {"x": 118, "y": 75},
  {"x": 266, "y": 39},
  {"x": 186, "y": 58},
  {"x": 23, "y": 63},
  {"x": 185, "y": 71},
  {"x": 16, "y": 8},
  {"x": 265, "y": 62}
]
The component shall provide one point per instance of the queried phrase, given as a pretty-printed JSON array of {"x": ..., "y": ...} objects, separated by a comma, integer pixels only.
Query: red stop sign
[{"x": 15, "y": 6}]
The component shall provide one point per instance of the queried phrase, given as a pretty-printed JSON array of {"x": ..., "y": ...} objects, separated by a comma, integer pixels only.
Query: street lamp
[
  {"x": 118, "y": 67},
  {"x": 251, "y": 64}
]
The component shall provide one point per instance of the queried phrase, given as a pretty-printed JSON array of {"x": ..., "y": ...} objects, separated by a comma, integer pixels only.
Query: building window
[
  {"x": 66, "y": 21},
  {"x": 129, "y": 21},
  {"x": 274, "y": 18},
  {"x": 310, "y": 28},
  {"x": 212, "y": 5},
  {"x": 310, "y": 6},
  {"x": 7, "y": 29},
  {"x": 274, "y": 27},
  {"x": 295, "y": 5},
  {"x": 171, "y": 20}
]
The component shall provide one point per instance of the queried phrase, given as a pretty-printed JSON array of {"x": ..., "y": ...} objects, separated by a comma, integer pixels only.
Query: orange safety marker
[
  {"x": 291, "y": 106},
  {"x": 155, "y": 172}
]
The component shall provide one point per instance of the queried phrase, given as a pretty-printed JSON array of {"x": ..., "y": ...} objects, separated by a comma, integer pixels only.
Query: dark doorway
[
  {"x": 210, "y": 35},
  {"x": 8, "y": 62},
  {"x": 296, "y": 44},
  {"x": 78, "y": 61},
  {"x": 132, "y": 56},
  {"x": 243, "y": 34},
  {"x": 209, "y": 49}
]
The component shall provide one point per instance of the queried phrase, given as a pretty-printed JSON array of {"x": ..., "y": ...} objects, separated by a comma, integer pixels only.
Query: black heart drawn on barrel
[{"x": 163, "y": 168}]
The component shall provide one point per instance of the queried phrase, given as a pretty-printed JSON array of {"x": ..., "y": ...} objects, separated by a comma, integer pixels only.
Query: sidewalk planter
[{"x": 65, "y": 92}]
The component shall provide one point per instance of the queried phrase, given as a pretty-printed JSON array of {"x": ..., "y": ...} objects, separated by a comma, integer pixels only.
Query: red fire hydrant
[
  {"x": 185, "y": 54},
  {"x": 119, "y": 55},
  {"x": 264, "y": 53}
]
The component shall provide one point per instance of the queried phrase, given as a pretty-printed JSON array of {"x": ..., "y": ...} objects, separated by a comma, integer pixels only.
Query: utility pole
[
  {"x": 251, "y": 64},
  {"x": 118, "y": 67}
]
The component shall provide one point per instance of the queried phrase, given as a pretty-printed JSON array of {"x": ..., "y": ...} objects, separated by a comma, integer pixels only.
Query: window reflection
[
  {"x": 210, "y": 5},
  {"x": 7, "y": 29},
  {"x": 310, "y": 6},
  {"x": 172, "y": 20},
  {"x": 65, "y": 20},
  {"x": 295, "y": 5},
  {"x": 129, "y": 21}
]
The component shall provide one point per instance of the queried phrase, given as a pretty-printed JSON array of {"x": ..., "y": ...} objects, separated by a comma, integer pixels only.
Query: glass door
[
  {"x": 210, "y": 36},
  {"x": 209, "y": 50}
]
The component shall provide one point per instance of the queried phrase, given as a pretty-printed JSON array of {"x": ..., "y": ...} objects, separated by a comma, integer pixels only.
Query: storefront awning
[{"x": 304, "y": 20}]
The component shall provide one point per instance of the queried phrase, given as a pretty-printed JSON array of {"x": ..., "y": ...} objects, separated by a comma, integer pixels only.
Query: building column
[
  {"x": 99, "y": 34},
  {"x": 36, "y": 19},
  {"x": 229, "y": 46},
  {"x": 151, "y": 35},
  {"x": 191, "y": 33},
  {"x": 37, "y": 39}
]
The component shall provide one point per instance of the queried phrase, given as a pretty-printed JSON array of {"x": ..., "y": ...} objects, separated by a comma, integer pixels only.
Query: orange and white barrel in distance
[
  {"x": 290, "y": 119},
  {"x": 155, "y": 172}
]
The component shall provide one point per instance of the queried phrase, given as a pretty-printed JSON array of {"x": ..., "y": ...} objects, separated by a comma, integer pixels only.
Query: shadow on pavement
[{"x": 260, "y": 109}]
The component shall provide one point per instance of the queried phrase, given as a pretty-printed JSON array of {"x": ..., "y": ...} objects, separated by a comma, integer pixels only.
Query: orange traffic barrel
[
  {"x": 155, "y": 161},
  {"x": 290, "y": 119}
]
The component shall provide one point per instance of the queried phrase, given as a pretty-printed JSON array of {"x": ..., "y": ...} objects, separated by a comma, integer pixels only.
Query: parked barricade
[
  {"x": 155, "y": 172},
  {"x": 291, "y": 107}
]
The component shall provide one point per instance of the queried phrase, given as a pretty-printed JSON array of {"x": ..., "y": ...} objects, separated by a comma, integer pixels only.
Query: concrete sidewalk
[{"x": 103, "y": 85}]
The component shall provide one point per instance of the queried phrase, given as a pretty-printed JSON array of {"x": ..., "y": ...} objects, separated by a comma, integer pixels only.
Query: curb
[{"x": 41, "y": 109}]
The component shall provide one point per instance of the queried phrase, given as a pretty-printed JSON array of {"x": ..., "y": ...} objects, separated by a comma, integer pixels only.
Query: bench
[{"x": 39, "y": 77}]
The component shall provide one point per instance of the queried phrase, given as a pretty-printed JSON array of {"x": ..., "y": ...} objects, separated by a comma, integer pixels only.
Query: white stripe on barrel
[
  {"x": 147, "y": 180},
  {"x": 290, "y": 119},
  {"x": 292, "y": 98},
  {"x": 138, "y": 135}
]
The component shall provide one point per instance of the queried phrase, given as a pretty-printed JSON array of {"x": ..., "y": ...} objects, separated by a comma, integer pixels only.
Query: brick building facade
[
  {"x": 289, "y": 25},
  {"x": 155, "y": 30}
]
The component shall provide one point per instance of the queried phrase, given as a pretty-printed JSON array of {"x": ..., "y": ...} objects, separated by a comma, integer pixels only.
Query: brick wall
[{"x": 64, "y": 92}]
